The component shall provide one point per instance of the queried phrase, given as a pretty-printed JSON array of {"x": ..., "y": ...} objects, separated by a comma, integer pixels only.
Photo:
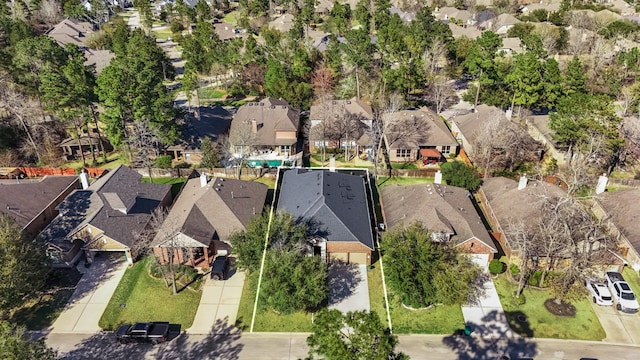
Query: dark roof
[
  {"x": 216, "y": 210},
  {"x": 336, "y": 202},
  {"x": 118, "y": 204},
  {"x": 439, "y": 208},
  {"x": 213, "y": 122},
  {"x": 25, "y": 200}
]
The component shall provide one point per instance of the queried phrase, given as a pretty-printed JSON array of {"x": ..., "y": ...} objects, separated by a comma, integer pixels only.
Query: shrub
[
  {"x": 163, "y": 161},
  {"x": 519, "y": 300},
  {"x": 515, "y": 270},
  {"x": 534, "y": 278},
  {"x": 496, "y": 267}
]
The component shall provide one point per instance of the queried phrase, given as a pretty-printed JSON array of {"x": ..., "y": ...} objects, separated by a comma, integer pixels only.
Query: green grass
[
  {"x": 113, "y": 161},
  {"x": 632, "y": 278},
  {"x": 162, "y": 33},
  {"x": 540, "y": 322},
  {"x": 269, "y": 181},
  {"x": 268, "y": 321},
  {"x": 211, "y": 93},
  {"x": 384, "y": 181},
  {"x": 231, "y": 18},
  {"x": 436, "y": 320},
  {"x": 404, "y": 165},
  {"x": 176, "y": 183},
  {"x": 148, "y": 299}
]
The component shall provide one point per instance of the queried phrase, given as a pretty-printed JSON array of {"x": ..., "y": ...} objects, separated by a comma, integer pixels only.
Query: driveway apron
[
  {"x": 219, "y": 303},
  {"x": 348, "y": 287}
]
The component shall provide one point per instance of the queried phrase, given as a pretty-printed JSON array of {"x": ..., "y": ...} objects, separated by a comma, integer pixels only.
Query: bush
[
  {"x": 515, "y": 270},
  {"x": 163, "y": 162},
  {"x": 534, "y": 278},
  {"x": 519, "y": 300},
  {"x": 496, "y": 267}
]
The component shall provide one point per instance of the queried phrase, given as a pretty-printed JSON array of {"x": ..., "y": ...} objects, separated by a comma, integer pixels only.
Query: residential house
[
  {"x": 337, "y": 206},
  {"x": 227, "y": 31},
  {"x": 340, "y": 123},
  {"x": 446, "y": 211},
  {"x": 266, "y": 126},
  {"x": 212, "y": 122},
  {"x": 283, "y": 23},
  {"x": 32, "y": 203},
  {"x": 73, "y": 147},
  {"x": 106, "y": 216},
  {"x": 405, "y": 16},
  {"x": 465, "y": 127},
  {"x": 499, "y": 24},
  {"x": 452, "y": 15},
  {"x": 538, "y": 128},
  {"x": 511, "y": 46},
  {"x": 70, "y": 31},
  {"x": 620, "y": 213},
  {"x": 418, "y": 134},
  {"x": 459, "y": 31},
  {"x": 204, "y": 216},
  {"x": 548, "y": 5}
]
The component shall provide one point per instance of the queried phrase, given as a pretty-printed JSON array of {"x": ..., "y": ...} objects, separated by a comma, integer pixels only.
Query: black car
[{"x": 220, "y": 268}]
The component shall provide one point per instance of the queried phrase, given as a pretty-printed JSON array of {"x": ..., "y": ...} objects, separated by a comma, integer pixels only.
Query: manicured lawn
[
  {"x": 269, "y": 181},
  {"x": 148, "y": 299},
  {"x": 211, "y": 93},
  {"x": 113, "y": 160},
  {"x": 436, "y": 320},
  {"x": 231, "y": 18},
  {"x": 268, "y": 321},
  {"x": 540, "y": 322},
  {"x": 162, "y": 33},
  {"x": 404, "y": 165},
  {"x": 632, "y": 278},
  {"x": 176, "y": 183},
  {"x": 384, "y": 181}
]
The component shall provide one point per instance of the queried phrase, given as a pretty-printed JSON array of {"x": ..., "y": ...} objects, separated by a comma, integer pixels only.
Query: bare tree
[
  {"x": 435, "y": 57},
  {"x": 627, "y": 97},
  {"x": 383, "y": 121},
  {"x": 503, "y": 144},
  {"x": 242, "y": 141},
  {"x": 145, "y": 143},
  {"x": 49, "y": 12},
  {"x": 22, "y": 108},
  {"x": 441, "y": 93},
  {"x": 581, "y": 169}
]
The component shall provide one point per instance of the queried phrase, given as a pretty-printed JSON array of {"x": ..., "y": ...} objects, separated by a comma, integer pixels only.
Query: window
[
  {"x": 320, "y": 143},
  {"x": 285, "y": 149},
  {"x": 446, "y": 150},
  {"x": 403, "y": 153}
]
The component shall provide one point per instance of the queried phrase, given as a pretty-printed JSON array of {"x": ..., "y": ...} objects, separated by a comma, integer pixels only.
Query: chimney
[
  {"x": 254, "y": 126},
  {"x": 203, "y": 180},
  {"x": 232, "y": 194},
  {"x": 84, "y": 179},
  {"x": 523, "y": 182},
  {"x": 438, "y": 179}
]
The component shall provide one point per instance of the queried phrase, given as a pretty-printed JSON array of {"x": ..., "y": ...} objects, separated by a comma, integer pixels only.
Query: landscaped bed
[
  {"x": 533, "y": 319},
  {"x": 140, "y": 298},
  {"x": 436, "y": 320}
]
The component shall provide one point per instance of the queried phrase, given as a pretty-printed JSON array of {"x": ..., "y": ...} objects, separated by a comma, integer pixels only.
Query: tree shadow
[
  {"x": 222, "y": 343},
  {"x": 343, "y": 281},
  {"x": 491, "y": 339},
  {"x": 478, "y": 289}
]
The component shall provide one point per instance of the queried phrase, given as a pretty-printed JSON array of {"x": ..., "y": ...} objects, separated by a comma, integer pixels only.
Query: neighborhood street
[{"x": 229, "y": 344}]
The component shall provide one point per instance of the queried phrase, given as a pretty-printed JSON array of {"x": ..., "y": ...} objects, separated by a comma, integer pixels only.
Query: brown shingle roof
[
  {"x": 622, "y": 206},
  {"x": 71, "y": 31},
  {"x": 439, "y": 208},
  {"x": 469, "y": 124},
  {"x": 272, "y": 115},
  {"x": 427, "y": 130},
  {"x": 216, "y": 210}
]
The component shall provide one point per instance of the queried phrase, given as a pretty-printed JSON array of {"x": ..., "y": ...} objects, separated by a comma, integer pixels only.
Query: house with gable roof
[
  {"x": 106, "y": 216},
  {"x": 331, "y": 116},
  {"x": 447, "y": 211},
  {"x": 337, "y": 206},
  {"x": 266, "y": 126},
  {"x": 204, "y": 216}
]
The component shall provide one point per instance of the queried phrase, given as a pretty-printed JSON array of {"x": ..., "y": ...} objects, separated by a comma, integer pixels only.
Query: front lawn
[
  {"x": 141, "y": 298},
  {"x": 404, "y": 165},
  {"x": 211, "y": 93},
  {"x": 436, "y": 320},
  {"x": 384, "y": 181},
  {"x": 538, "y": 322},
  {"x": 632, "y": 278},
  {"x": 266, "y": 320},
  {"x": 176, "y": 183}
]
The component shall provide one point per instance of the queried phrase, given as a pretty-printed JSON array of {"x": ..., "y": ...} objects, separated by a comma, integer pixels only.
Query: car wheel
[
  {"x": 216, "y": 277},
  {"x": 618, "y": 307},
  {"x": 594, "y": 300}
]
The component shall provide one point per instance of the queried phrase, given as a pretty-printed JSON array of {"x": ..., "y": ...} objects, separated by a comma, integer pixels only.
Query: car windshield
[
  {"x": 606, "y": 298},
  {"x": 628, "y": 296}
]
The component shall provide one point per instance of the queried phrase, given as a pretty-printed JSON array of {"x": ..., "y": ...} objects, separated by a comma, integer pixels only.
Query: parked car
[
  {"x": 599, "y": 292},
  {"x": 220, "y": 268},
  {"x": 622, "y": 294},
  {"x": 151, "y": 332}
]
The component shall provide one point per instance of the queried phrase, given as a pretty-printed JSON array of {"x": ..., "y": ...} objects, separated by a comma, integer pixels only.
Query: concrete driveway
[
  {"x": 620, "y": 328},
  {"x": 219, "y": 303},
  {"x": 348, "y": 287},
  {"x": 92, "y": 294}
]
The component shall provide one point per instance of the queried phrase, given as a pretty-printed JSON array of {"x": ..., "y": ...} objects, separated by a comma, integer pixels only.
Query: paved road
[{"x": 229, "y": 343}]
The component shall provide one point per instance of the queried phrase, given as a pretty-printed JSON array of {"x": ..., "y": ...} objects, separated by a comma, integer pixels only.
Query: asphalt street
[{"x": 229, "y": 343}]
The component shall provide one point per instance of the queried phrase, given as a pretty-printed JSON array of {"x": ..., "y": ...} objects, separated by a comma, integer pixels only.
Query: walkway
[
  {"x": 348, "y": 287},
  {"x": 92, "y": 294},
  {"x": 219, "y": 303},
  {"x": 487, "y": 310}
]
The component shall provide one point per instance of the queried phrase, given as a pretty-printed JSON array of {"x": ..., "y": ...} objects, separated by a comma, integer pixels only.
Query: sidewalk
[{"x": 92, "y": 294}]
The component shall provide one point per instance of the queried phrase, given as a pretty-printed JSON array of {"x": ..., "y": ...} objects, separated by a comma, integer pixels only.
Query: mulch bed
[{"x": 560, "y": 309}]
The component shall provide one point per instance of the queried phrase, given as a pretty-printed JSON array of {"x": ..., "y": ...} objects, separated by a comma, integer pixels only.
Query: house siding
[
  {"x": 475, "y": 246},
  {"x": 348, "y": 247}
]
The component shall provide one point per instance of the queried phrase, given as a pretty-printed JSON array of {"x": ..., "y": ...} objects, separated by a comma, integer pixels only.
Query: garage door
[
  {"x": 339, "y": 256},
  {"x": 481, "y": 260},
  {"x": 358, "y": 258}
]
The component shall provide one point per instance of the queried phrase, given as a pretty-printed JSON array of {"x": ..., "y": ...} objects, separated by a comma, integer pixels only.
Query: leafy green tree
[
  {"x": 276, "y": 81},
  {"x": 480, "y": 60},
  {"x": 210, "y": 153},
  {"x": 32, "y": 55},
  {"x": 381, "y": 14},
  {"x": 15, "y": 346},
  {"x": 294, "y": 281},
  {"x": 356, "y": 335},
  {"x": 525, "y": 79},
  {"x": 362, "y": 14},
  {"x": 422, "y": 271},
  {"x": 203, "y": 10},
  {"x": 457, "y": 173},
  {"x": 358, "y": 51},
  {"x": 574, "y": 77},
  {"x": 341, "y": 16},
  {"x": 23, "y": 265},
  {"x": 551, "y": 84},
  {"x": 284, "y": 234}
]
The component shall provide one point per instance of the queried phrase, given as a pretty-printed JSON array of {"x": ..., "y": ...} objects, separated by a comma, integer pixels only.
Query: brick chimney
[{"x": 254, "y": 126}]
